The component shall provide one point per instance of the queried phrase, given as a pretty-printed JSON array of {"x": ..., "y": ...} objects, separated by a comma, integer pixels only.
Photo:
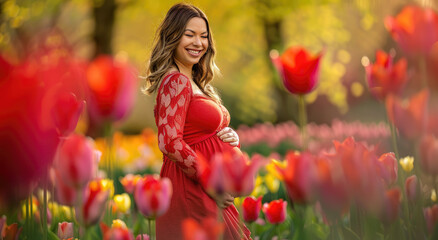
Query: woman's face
[{"x": 193, "y": 44}]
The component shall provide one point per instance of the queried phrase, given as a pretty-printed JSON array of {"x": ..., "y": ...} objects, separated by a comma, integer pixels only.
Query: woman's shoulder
[{"x": 175, "y": 79}]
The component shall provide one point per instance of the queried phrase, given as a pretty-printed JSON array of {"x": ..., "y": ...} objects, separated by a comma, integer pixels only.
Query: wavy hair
[{"x": 167, "y": 38}]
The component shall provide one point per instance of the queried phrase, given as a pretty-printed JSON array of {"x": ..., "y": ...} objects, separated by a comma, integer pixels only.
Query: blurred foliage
[{"x": 248, "y": 82}]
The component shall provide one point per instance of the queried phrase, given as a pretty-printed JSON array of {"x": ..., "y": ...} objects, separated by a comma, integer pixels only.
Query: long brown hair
[{"x": 167, "y": 38}]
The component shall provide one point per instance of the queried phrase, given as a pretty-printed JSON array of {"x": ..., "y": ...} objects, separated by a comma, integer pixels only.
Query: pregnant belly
[{"x": 213, "y": 145}]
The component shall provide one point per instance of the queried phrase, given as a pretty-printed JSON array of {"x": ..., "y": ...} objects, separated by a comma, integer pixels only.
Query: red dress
[{"x": 188, "y": 123}]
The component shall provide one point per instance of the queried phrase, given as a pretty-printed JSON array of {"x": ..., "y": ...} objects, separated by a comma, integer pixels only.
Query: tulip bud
[
  {"x": 65, "y": 230},
  {"x": 431, "y": 217},
  {"x": 152, "y": 196},
  {"x": 275, "y": 211},
  {"x": 251, "y": 208},
  {"x": 75, "y": 161},
  {"x": 412, "y": 189}
]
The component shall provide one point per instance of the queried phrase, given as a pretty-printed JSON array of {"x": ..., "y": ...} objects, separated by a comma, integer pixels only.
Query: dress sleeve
[{"x": 173, "y": 102}]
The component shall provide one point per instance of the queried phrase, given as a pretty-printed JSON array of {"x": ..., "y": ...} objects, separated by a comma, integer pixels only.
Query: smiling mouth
[{"x": 194, "y": 53}]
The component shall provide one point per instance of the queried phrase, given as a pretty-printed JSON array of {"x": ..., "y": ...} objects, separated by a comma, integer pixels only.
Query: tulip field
[{"x": 68, "y": 173}]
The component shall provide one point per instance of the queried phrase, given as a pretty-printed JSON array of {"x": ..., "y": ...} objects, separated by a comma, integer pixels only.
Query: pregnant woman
[{"x": 190, "y": 120}]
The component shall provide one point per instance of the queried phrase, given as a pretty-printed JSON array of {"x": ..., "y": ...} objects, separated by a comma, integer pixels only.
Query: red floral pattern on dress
[{"x": 173, "y": 100}]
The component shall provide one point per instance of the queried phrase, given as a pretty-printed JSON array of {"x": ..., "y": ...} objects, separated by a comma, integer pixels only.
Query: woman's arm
[{"x": 172, "y": 103}]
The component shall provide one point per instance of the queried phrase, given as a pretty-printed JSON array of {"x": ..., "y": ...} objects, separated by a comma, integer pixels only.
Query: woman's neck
[{"x": 184, "y": 69}]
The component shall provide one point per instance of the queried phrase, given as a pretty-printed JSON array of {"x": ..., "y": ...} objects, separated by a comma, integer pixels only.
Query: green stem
[
  {"x": 109, "y": 166},
  {"x": 394, "y": 140},
  {"x": 150, "y": 229},
  {"x": 27, "y": 220},
  {"x": 423, "y": 72},
  {"x": 303, "y": 120},
  {"x": 44, "y": 220}
]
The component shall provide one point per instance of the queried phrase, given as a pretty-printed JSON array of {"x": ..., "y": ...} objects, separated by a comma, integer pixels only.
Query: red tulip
[
  {"x": 65, "y": 230},
  {"x": 299, "y": 176},
  {"x": 129, "y": 181},
  {"x": 112, "y": 85},
  {"x": 11, "y": 232},
  {"x": 429, "y": 154},
  {"x": 230, "y": 172},
  {"x": 412, "y": 188},
  {"x": 332, "y": 188},
  {"x": 359, "y": 165},
  {"x": 251, "y": 208},
  {"x": 75, "y": 161},
  {"x": 275, "y": 211},
  {"x": 66, "y": 113},
  {"x": 208, "y": 229},
  {"x": 431, "y": 217},
  {"x": 389, "y": 168},
  {"x": 410, "y": 119},
  {"x": 415, "y": 29},
  {"x": 391, "y": 206},
  {"x": 433, "y": 122},
  {"x": 94, "y": 201},
  {"x": 152, "y": 195},
  {"x": 118, "y": 231},
  {"x": 28, "y": 139},
  {"x": 298, "y": 69},
  {"x": 383, "y": 77}
]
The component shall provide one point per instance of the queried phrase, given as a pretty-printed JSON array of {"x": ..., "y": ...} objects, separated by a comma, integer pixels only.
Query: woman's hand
[
  {"x": 228, "y": 135},
  {"x": 224, "y": 200}
]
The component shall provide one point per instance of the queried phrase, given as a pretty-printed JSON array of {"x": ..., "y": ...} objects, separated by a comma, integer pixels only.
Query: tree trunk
[
  {"x": 285, "y": 104},
  {"x": 104, "y": 18}
]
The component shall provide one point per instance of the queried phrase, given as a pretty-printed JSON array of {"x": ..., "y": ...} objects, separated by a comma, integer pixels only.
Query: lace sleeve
[{"x": 172, "y": 103}]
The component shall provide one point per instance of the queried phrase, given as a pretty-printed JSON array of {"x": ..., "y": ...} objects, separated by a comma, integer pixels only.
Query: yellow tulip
[
  {"x": 272, "y": 183},
  {"x": 122, "y": 202},
  {"x": 407, "y": 163},
  {"x": 273, "y": 166},
  {"x": 433, "y": 195},
  {"x": 117, "y": 223}
]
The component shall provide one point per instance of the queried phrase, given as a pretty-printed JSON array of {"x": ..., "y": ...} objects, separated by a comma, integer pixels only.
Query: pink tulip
[
  {"x": 431, "y": 217},
  {"x": 389, "y": 167},
  {"x": 65, "y": 230},
  {"x": 298, "y": 68},
  {"x": 75, "y": 161},
  {"x": 94, "y": 201},
  {"x": 275, "y": 211},
  {"x": 230, "y": 172},
  {"x": 152, "y": 195},
  {"x": 66, "y": 195},
  {"x": 251, "y": 207},
  {"x": 384, "y": 78},
  {"x": 112, "y": 84},
  {"x": 410, "y": 119},
  {"x": 412, "y": 188},
  {"x": 144, "y": 236},
  {"x": 415, "y": 29},
  {"x": 429, "y": 154}
]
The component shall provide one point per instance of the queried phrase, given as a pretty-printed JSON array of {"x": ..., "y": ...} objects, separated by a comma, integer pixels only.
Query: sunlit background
[{"x": 350, "y": 152}]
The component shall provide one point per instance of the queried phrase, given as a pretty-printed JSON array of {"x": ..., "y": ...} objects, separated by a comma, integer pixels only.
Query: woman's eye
[
  {"x": 204, "y": 36},
  {"x": 188, "y": 35}
]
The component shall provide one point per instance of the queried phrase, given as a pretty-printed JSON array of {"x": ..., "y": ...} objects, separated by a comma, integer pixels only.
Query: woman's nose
[{"x": 197, "y": 41}]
